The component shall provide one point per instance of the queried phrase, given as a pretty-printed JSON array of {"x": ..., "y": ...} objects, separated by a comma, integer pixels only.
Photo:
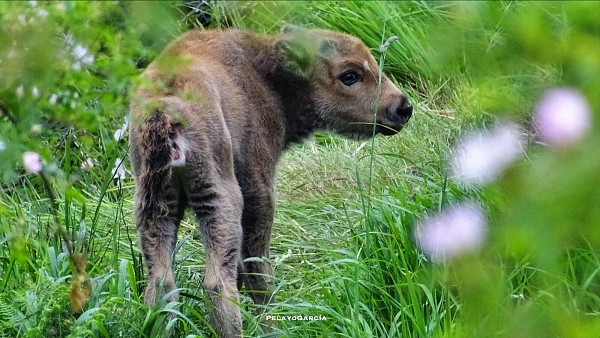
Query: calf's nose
[{"x": 404, "y": 110}]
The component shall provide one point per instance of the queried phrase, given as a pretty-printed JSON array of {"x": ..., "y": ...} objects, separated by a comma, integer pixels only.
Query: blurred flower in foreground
[
  {"x": 118, "y": 172},
  {"x": 32, "y": 162},
  {"x": 481, "y": 157},
  {"x": 561, "y": 117},
  {"x": 459, "y": 229},
  {"x": 88, "y": 164},
  {"x": 120, "y": 132}
]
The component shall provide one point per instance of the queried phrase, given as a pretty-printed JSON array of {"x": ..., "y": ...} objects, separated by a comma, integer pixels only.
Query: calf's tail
[{"x": 155, "y": 167}]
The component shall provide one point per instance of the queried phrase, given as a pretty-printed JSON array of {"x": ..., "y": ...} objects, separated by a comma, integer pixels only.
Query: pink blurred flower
[
  {"x": 459, "y": 229},
  {"x": 561, "y": 117},
  {"x": 481, "y": 157},
  {"x": 32, "y": 162}
]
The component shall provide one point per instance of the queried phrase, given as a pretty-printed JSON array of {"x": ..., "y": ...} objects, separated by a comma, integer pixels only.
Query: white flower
[
  {"x": 79, "y": 51},
  {"x": 88, "y": 164},
  {"x": 19, "y": 91},
  {"x": 481, "y": 157},
  {"x": 459, "y": 229},
  {"x": 82, "y": 56},
  {"x": 2, "y": 146},
  {"x": 32, "y": 162},
  {"x": 118, "y": 172},
  {"x": 52, "y": 99},
  {"x": 120, "y": 132},
  {"x": 36, "y": 128},
  {"x": 35, "y": 92},
  {"x": 561, "y": 117}
]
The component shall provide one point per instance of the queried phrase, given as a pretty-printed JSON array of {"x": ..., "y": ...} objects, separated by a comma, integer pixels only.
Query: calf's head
[{"x": 343, "y": 79}]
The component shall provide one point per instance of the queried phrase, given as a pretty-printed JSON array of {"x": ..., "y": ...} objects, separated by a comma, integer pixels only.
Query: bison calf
[{"x": 210, "y": 119}]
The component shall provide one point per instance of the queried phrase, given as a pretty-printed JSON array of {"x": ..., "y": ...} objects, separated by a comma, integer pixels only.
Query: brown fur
[{"x": 230, "y": 102}]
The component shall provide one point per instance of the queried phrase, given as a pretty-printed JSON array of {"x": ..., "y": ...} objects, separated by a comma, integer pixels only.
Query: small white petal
[
  {"x": 481, "y": 157},
  {"x": 88, "y": 164},
  {"x": 118, "y": 171},
  {"x": 35, "y": 92},
  {"x": 118, "y": 134},
  {"x": 19, "y": 91},
  {"x": 81, "y": 55},
  {"x": 36, "y": 128},
  {"x": 32, "y": 162},
  {"x": 459, "y": 229},
  {"x": 562, "y": 117},
  {"x": 52, "y": 99},
  {"x": 87, "y": 60},
  {"x": 79, "y": 51}
]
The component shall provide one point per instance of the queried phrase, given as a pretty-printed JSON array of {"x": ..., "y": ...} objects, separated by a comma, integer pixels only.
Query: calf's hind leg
[
  {"x": 216, "y": 199},
  {"x": 158, "y": 236}
]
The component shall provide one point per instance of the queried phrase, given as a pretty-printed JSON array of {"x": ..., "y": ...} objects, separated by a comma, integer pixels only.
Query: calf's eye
[{"x": 349, "y": 77}]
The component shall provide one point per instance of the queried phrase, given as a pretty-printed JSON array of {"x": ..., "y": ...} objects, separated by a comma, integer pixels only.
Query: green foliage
[
  {"x": 36, "y": 311},
  {"x": 66, "y": 71}
]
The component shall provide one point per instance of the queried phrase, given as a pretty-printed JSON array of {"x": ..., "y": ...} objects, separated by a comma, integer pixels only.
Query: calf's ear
[
  {"x": 294, "y": 56},
  {"x": 327, "y": 47}
]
